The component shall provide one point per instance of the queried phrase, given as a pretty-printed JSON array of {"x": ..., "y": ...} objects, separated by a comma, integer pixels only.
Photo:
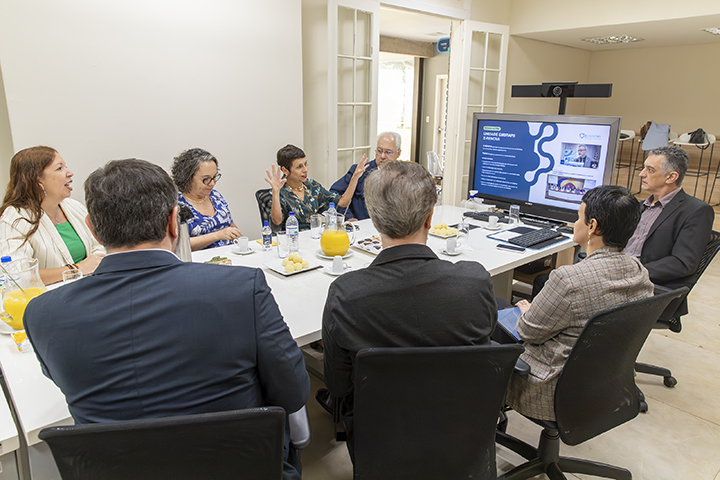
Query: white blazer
[{"x": 46, "y": 244}]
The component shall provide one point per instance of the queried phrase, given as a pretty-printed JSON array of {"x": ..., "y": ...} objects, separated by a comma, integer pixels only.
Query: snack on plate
[
  {"x": 259, "y": 241},
  {"x": 443, "y": 230},
  {"x": 294, "y": 263},
  {"x": 22, "y": 342},
  {"x": 370, "y": 244},
  {"x": 218, "y": 260}
]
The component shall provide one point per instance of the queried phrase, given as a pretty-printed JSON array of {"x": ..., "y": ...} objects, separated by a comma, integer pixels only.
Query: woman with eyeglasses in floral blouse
[{"x": 195, "y": 172}]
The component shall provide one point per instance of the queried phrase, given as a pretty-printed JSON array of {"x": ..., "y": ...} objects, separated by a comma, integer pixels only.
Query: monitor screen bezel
[{"x": 536, "y": 209}]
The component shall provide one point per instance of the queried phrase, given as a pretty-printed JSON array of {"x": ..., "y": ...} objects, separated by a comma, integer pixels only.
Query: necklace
[
  {"x": 199, "y": 202},
  {"x": 53, "y": 217},
  {"x": 300, "y": 188}
]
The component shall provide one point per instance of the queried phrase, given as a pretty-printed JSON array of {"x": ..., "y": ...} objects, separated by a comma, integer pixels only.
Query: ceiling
[{"x": 681, "y": 31}]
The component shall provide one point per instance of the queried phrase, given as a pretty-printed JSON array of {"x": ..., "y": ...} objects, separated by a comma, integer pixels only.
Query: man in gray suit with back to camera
[
  {"x": 674, "y": 228},
  {"x": 150, "y": 336},
  {"x": 407, "y": 296}
]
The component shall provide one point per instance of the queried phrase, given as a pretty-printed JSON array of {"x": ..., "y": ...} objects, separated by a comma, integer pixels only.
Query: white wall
[
  {"x": 534, "y": 16},
  {"x": 675, "y": 85},
  {"x": 148, "y": 79},
  {"x": 531, "y": 62}
]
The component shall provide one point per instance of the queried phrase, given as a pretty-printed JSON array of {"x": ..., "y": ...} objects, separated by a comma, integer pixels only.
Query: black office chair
[
  {"x": 595, "y": 392},
  {"x": 264, "y": 201},
  {"x": 225, "y": 445},
  {"x": 429, "y": 412},
  {"x": 670, "y": 318}
]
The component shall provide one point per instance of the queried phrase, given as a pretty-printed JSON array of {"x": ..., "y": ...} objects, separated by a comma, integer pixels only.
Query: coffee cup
[
  {"x": 492, "y": 221},
  {"x": 452, "y": 244},
  {"x": 338, "y": 266},
  {"x": 241, "y": 244}
]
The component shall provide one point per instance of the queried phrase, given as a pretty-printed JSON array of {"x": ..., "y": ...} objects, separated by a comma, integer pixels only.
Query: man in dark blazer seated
[
  {"x": 674, "y": 227},
  {"x": 148, "y": 335},
  {"x": 407, "y": 296}
]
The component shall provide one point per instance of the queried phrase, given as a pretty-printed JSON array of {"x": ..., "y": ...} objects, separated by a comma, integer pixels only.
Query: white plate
[
  {"x": 6, "y": 329},
  {"x": 330, "y": 271},
  {"x": 444, "y": 236},
  {"x": 453, "y": 254},
  {"x": 246, "y": 252},
  {"x": 320, "y": 254},
  {"x": 277, "y": 266},
  {"x": 488, "y": 227},
  {"x": 373, "y": 248}
]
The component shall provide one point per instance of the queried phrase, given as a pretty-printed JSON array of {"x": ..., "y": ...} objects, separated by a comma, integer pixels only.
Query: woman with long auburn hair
[{"x": 38, "y": 219}]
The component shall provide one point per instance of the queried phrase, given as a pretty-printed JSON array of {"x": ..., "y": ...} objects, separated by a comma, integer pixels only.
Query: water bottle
[
  {"x": 293, "y": 231},
  {"x": 470, "y": 203},
  {"x": 331, "y": 217},
  {"x": 4, "y": 316},
  {"x": 266, "y": 236},
  {"x": 5, "y": 261}
]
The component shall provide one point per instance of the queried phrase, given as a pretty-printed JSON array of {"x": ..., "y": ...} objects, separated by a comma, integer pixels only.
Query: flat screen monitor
[{"x": 544, "y": 163}]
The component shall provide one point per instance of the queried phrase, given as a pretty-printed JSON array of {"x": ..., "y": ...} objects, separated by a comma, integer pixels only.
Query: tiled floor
[{"x": 679, "y": 438}]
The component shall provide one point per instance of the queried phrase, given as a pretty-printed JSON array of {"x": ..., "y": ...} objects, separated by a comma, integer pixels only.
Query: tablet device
[{"x": 507, "y": 321}]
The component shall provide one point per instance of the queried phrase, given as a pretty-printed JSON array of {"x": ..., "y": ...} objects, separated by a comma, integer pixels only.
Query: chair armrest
[
  {"x": 661, "y": 289},
  {"x": 300, "y": 435},
  {"x": 521, "y": 368}
]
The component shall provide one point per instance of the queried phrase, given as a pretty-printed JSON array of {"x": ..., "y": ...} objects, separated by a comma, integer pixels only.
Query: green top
[{"x": 72, "y": 241}]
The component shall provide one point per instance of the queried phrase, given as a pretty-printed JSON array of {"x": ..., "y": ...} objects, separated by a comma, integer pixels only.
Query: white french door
[{"x": 354, "y": 42}]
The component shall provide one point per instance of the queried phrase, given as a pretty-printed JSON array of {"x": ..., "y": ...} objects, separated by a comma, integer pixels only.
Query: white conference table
[
  {"x": 301, "y": 297},
  {"x": 38, "y": 403}
]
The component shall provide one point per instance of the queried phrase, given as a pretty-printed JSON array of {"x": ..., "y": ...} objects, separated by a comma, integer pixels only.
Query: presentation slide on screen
[{"x": 548, "y": 163}]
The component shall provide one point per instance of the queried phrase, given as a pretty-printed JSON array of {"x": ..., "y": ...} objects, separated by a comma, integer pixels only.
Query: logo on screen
[
  {"x": 586, "y": 136},
  {"x": 491, "y": 128}
]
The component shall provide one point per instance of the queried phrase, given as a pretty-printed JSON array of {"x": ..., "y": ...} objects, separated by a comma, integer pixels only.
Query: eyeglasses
[
  {"x": 389, "y": 153},
  {"x": 216, "y": 178}
]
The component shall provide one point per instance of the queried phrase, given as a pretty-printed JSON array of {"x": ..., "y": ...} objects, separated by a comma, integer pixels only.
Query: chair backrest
[
  {"x": 429, "y": 412},
  {"x": 657, "y": 136},
  {"x": 596, "y": 390},
  {"x": 225, "y": 445},
  {"x": 264, "y": 201},
  {"x": 711, "y": 249}
]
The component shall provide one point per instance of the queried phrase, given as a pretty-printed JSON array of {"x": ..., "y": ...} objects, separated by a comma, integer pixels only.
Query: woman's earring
[
  {"x": 43, "y": 187},
  {"x": 589, "y": 240}
]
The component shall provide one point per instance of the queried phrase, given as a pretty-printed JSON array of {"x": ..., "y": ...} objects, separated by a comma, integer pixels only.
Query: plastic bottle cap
[
  {"x": 292, "y": 213},
  {"x": 6, "y": 259},
  {"x": 266, "y": 224},
  {"x": 332, "y": 205}
]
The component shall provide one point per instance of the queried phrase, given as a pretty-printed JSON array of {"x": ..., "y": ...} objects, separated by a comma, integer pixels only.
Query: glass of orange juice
[{"x": 22, "y": 284}]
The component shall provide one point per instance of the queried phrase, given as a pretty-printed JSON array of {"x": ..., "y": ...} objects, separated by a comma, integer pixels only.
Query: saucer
[
  {"x": 488, "y": 227},
  {"x": 246, "y": 252},
  {"x": 320, "y": 254},
  {"x": 330, "y": 271},
  {"x": 453, "y": 254}
]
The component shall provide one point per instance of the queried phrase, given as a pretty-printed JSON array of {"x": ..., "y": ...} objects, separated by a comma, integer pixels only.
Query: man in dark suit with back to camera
[
  {"x": 675, "y": 227},
  {"x": 408, "y": 296},
  {"x": 148, "y": 335}
]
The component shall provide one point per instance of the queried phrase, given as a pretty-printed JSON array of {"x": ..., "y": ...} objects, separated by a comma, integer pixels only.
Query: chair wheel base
[
  {"x": 669, "y": 381},
  {"x": 644, "y": 407}
]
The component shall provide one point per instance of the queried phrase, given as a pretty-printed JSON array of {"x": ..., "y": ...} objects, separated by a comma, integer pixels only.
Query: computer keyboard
[
  {"x": 535, "y": 237},
  {"x": 485, "y": 216}
]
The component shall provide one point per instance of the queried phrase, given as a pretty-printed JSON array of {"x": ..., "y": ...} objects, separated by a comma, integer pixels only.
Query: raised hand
[{"x": 275, "y": 179}]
